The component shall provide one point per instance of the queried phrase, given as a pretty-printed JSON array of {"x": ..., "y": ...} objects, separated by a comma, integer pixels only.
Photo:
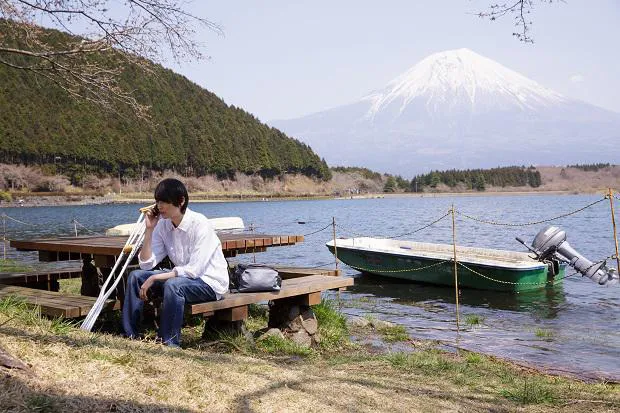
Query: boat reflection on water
[{"x": 544, "y": 303}]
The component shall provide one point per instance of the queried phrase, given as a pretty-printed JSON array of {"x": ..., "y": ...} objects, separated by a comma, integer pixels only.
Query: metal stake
[{"x": 456, "y": 276}]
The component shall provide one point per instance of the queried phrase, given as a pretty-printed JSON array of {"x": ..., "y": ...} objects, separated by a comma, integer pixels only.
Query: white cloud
[{"x": 577, "y": 78}]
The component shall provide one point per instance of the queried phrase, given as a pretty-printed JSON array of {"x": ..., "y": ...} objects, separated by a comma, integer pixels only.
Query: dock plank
[
  {"x": 56, "y": 304},
  {"x": 40, "y": 276}
]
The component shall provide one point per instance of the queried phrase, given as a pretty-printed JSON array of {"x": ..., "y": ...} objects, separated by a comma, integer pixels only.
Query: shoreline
[{"x": 76, "y": 199}]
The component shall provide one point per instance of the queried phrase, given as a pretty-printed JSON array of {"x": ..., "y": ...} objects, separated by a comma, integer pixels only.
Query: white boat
[
  {"x": 482, "y": 268},
  {"x": 222, "y": 224}
]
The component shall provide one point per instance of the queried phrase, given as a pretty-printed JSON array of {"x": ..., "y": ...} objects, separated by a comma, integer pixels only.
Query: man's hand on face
[{"x": 151, "y": 219}]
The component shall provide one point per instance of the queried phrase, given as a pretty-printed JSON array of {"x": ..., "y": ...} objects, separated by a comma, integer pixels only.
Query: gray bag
[{"x": 256, "y": 277}]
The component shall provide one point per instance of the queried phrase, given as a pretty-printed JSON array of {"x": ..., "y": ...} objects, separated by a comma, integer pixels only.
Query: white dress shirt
[{"x": 193, "y": 247}]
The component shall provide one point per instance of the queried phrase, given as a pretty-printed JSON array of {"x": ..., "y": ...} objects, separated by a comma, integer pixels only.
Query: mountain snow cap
[{"x": 461, "y": 78}]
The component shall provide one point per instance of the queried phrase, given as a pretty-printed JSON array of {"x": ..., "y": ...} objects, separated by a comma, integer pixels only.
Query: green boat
[{"x": 480, "y": 268}]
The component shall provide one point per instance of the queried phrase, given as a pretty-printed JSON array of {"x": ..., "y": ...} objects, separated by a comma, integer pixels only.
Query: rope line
[
  {"x": 394, "y": 271},
  {"x": 75, "y": 221},
  {"x": 17, "y": 220},
  {"x": 421, "y": 228},
  {"x": 348, "y": 231},
  {"x": 317, "y": 231},
  {"x": 511, "y": 282},
  {"x": 530, "y": 223},
  {"x": 330, "y": 263}
]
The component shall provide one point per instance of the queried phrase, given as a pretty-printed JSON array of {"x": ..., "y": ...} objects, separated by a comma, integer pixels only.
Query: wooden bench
[
  {"x": 41, "y": 279},
  {"x": 304, "y": 290},
  {"x": 56, "y": 304}
]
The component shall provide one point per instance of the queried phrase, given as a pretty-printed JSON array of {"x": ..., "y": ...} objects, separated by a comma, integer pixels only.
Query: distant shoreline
[{"x": 41, "y": 200}]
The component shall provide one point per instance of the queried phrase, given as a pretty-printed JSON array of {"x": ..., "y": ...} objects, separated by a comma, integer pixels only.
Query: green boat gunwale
[
  {"x": 487, "y": 262},
  {"x": 448, "y": 261}
]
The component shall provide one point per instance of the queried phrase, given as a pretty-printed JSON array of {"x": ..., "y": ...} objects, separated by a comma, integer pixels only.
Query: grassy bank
[{"x": 72, "y": 370}]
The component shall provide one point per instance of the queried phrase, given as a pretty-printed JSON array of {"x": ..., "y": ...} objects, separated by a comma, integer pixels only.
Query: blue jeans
[{"x": 176, "y": 292}]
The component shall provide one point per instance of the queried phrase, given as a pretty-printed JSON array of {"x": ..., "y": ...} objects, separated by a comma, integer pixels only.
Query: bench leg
[
  {"x": 279, "y": 310},
  {"x": 214, "y": 328},
  {"x": 90, "y": 279}
]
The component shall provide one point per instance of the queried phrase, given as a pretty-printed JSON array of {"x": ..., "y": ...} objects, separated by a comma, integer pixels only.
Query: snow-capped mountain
[{"x": 457, "y": 109}]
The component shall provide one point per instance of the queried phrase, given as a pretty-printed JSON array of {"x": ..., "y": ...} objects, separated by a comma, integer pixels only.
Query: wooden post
[
  {"x": 456, "y": 276},
  {"x": 75, "y": 226},
  {"x": 335, "y": 249},
  {"x": 254, "y": 249},
  {"x": 613, "y": 223},
  {"x": 4, "y": 235}
]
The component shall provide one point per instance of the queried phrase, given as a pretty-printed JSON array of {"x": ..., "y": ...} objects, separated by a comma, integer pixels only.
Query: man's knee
[{"x": 173, "y": 286}]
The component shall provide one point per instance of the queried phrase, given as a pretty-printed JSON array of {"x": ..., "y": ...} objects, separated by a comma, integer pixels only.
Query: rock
[
  {"x": 359, "y": 322},
  {"x": 271, "y": 332},
  {"x": 307, "y": 314},
  {"x": 379, "y": 324},
  {"x": 11, "y": 362},
  {"x": 294, "y": 325},
  {"x": 310, "y": 325},
  {"x": 316, "y": 338},
  {"x": 301, "y": 338}
]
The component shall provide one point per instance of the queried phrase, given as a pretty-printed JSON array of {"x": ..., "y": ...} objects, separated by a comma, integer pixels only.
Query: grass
[
  {"x": 8, "y": 265},
  {"x": 542, "y": 333},
  {"x": 473, "y": 320},
  {"x": 332, "y": 326},
  {"x": 332, "y": 331},
  {"x": 392, "y": 334},
  {"x": 70, "y": 286},
  {"x": 533, "y": 391},
  {"x": 281, "y": 346},
  {"x": 483, "y": 373},
  {"x": 16, "y": 311},
  {"x": 40, "y": 403},
  {"x": 79, "y": 371}
]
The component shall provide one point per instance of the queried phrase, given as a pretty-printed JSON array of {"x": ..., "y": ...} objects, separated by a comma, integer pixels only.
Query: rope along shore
[{"x": 506, "y": 224}]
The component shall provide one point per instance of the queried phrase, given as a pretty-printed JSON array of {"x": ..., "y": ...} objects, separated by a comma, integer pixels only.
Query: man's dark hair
[{"x": 171, "y": 191}]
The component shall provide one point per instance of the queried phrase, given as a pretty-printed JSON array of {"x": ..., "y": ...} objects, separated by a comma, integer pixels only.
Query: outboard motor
[{"x": 551, "y": 243}]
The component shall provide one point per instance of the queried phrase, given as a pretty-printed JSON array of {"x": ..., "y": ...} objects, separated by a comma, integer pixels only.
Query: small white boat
[
  {"x": 222, "y": 224},
  {"x": 482, "y": 268},
  {"x": 491, "y": 269}
]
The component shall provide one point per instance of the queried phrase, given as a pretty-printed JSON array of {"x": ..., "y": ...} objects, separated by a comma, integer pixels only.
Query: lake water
[{"x": 574, "y": 328}]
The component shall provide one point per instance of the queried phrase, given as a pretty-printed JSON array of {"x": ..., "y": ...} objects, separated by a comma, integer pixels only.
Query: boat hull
[{"x": 441, "y": 272}]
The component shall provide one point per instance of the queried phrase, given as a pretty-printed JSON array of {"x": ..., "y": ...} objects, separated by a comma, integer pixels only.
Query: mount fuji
[{"x": 457, "y": 109}]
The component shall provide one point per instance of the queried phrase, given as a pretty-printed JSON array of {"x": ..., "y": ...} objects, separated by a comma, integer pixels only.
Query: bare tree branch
[
  {"x": 520, "y": 9},
  {"x": 87, "y": 65}
]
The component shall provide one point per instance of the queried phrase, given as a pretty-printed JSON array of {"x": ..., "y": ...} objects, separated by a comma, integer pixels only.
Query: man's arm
[
  {"x": 155, "y": 277},
  {"x": 152, "y": 250},
  {"x": 146, "y": 252}
]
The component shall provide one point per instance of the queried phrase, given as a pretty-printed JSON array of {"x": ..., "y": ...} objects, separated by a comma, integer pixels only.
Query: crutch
[{"x": 131, "y": 247}]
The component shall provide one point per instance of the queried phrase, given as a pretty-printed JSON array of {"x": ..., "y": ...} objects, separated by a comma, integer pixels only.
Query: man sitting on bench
[{"x": 200, "y": 271}]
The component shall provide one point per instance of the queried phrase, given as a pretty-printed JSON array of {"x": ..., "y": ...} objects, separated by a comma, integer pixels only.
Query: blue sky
[{"x": 283, "y": 59}]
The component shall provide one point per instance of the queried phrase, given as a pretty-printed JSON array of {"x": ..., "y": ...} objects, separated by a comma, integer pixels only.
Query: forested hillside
[
  {"x": 191, "y": 131},
  {"x": 478, "y": 179}
]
